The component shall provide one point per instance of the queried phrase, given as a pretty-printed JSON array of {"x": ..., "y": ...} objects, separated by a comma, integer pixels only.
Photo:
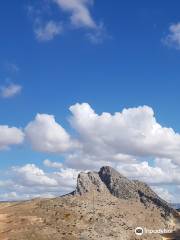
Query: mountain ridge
[
  {"x": 110, "y": 180},
  {"x": 104, "y": 206}
]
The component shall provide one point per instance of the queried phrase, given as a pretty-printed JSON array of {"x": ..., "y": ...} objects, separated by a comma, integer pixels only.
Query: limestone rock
[
  {"x": 110, "y": 181},
  {"x": 88, "y": 182},
  {"x": 118, "y": 185}
]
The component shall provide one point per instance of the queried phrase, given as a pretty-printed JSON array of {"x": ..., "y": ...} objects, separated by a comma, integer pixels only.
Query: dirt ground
[{"x": 77, "y": 218}]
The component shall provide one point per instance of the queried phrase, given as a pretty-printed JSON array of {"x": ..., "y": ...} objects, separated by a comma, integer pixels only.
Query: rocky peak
[
  {"x": 117, "y": 184},
  {"x": 108, "y": 180},
  {"x": 88, "y": 182}
]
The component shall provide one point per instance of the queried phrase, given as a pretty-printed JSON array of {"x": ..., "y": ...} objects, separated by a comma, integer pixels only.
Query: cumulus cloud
[
  {"x": 30, "y": 175},
  {"x": 46, "y": 135},
  {"x": 143, "y": 171},
  {"x": 10, "y": 90},
  {"x": 133, "y": 131},
  {"x": 48, "y": 31},
  {"x": 164, "y": 172},
  {"x": 30, "y": 181},
  {"x": 131, "y": 141},
  {"x": 173, "y": 38},
  {"x": 126, "y": 139},
  {"x": 66, "y": 178},
  {"x": 133, "y": 135},
  {"x": 10, "y": 136}
]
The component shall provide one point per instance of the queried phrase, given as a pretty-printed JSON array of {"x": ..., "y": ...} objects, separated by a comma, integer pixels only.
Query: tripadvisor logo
[{"x": 139, "y": 231}]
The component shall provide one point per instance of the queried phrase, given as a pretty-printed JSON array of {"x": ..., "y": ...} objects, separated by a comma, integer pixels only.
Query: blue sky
[{"x": 111, "y": 56}]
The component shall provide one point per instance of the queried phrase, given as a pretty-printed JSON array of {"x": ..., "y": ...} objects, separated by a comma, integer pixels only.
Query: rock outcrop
[
  {"x": 108, "y": 180},
  {"x": 88, "y": 182},
  {"x": 118, "y": 185},
  {"x": 148, "y": 196}
]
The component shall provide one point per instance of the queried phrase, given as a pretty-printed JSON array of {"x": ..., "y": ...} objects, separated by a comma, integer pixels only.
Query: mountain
[
  {"x": 110, "y": 180},
  {"x": 104, "y": 206}
]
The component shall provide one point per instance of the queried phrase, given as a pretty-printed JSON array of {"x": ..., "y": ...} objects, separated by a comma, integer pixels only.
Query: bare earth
[{"x": 78, "y": 218}]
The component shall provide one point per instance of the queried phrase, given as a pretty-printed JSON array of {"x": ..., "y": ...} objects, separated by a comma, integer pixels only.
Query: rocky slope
[
  {"x": 86, "y": 217},
  {"x": 110, "y": 180},
  {"x": 105, "y": 206}
]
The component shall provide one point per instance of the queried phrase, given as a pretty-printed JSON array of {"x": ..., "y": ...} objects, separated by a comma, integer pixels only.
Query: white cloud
[
  {"x": 51, "y": 164},
  {"x": 78, "y": 15},
  {"x": 10, "y": 136},
  {"x": 46, "y": 135},
  {"x": 79, "y": 12},
  {"x": 48, "y": 31},
  {"x": 124, "y": 140},
  {"x": 173, "y": 38},
  {"x": 29, "y": 181},
  {"x": 124, "y": 158},
  {"x": 163, "y": 172},
  {"x": 143, "y": 172},
  {"x": 10, "y": 90},
  {"x": 128, "y": 136},
  {"x": 170, "y": 170},
  {"x": 132, "y": 141},
  {"x": 133, "y": 131},
  {"x": 67, "y": 177},
  {"x": 30, "y": 175}
]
